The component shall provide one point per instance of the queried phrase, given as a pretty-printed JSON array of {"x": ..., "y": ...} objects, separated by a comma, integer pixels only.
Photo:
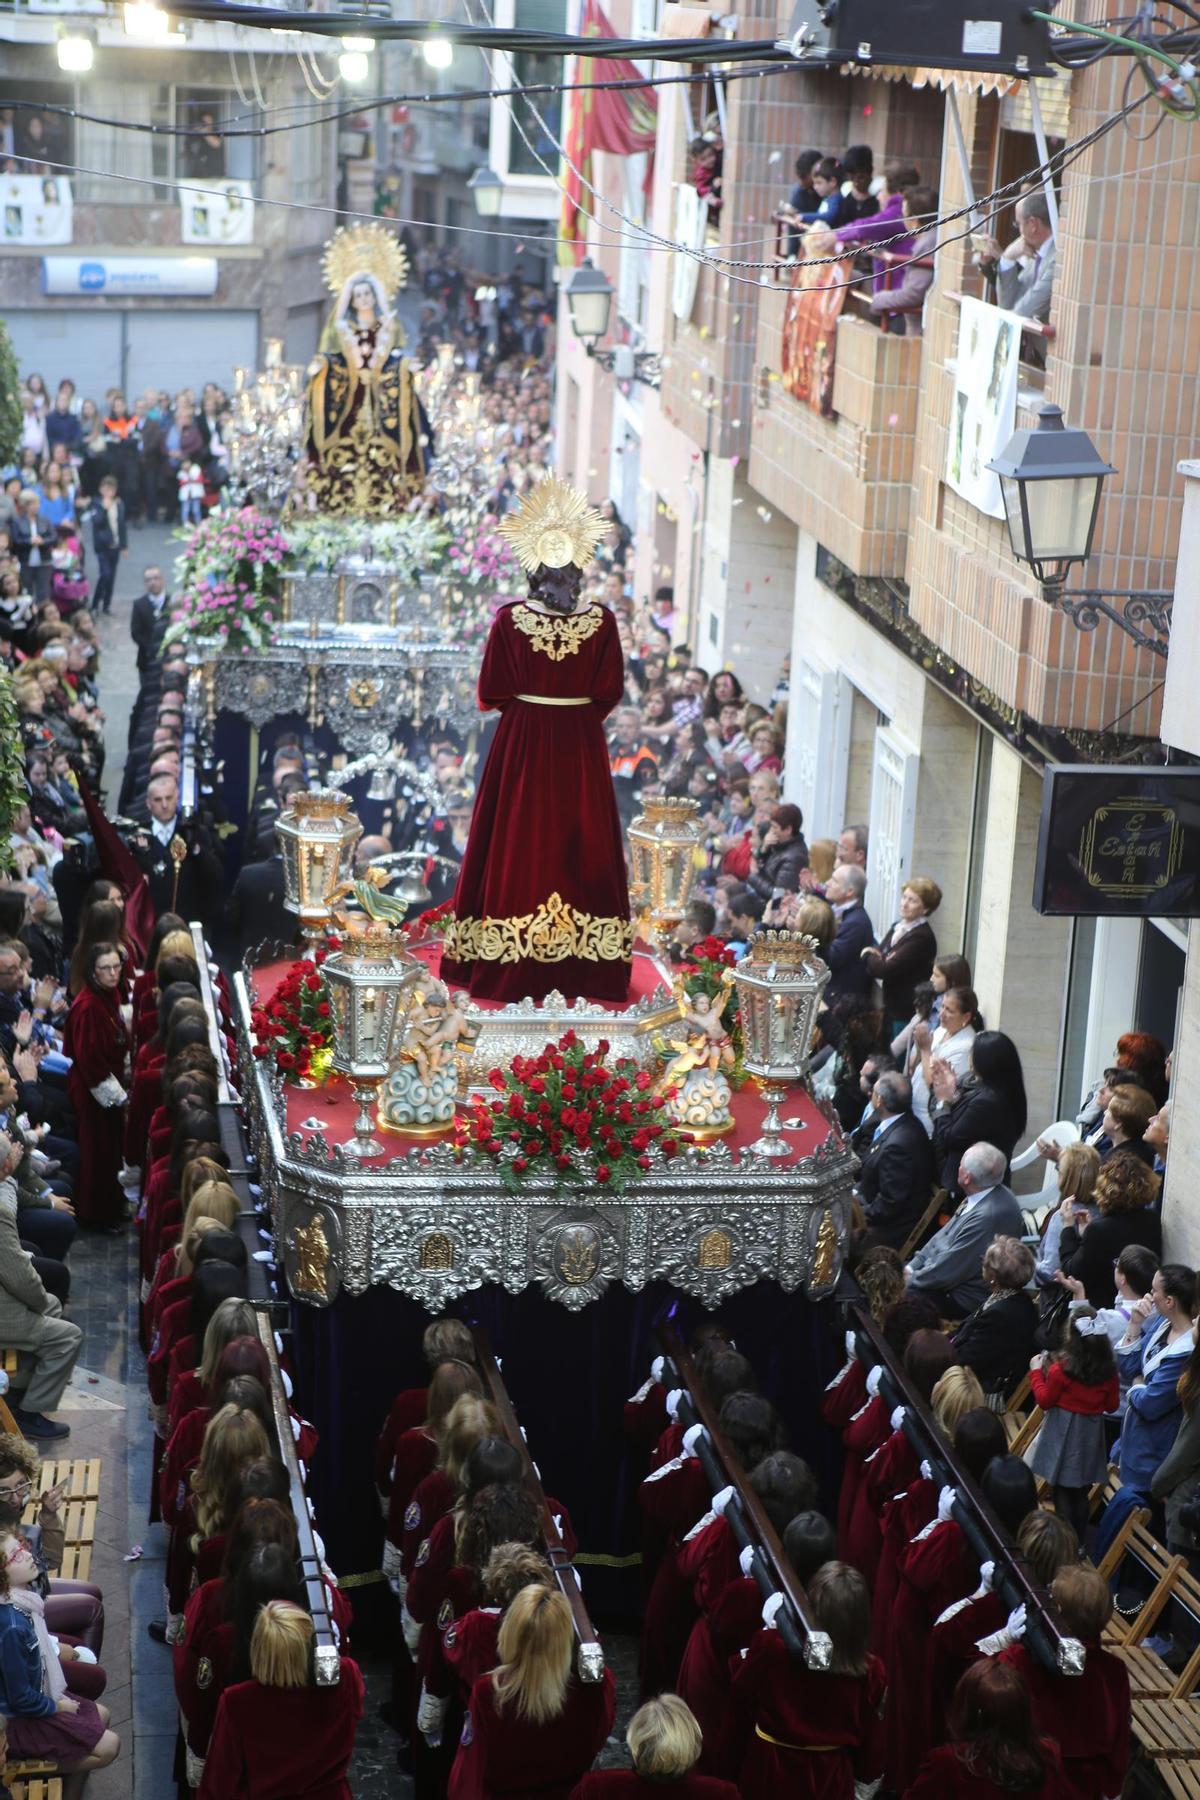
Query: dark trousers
[
  {"x": 50, "y": 1232},
  {"x": 153, "y": 469},
  {"x": 106, "y": 576},
  {"x": 56, "y": 1277}
]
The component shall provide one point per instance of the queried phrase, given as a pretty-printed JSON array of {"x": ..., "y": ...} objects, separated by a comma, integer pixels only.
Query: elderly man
[
  {"x": 30, "y": 1318},
  {"x": 1024, "y": 271},
  {"x": 896, "y": 1177},
  {"x": 949, "y": 1268},
  {"x": 844, "y": 891}
]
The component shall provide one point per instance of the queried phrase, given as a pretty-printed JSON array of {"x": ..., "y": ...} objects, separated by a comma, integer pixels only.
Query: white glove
[
  {"x": 691, "y": 1437},
  {"x": 851, "y": 1345},
  {"x": 674, "y": 1396},
  {"x": 1015, "y": 1626},
  {"x": 746, "y": 1558},
  {"x": 987, "y": 1573},
  {"x": 295, "y": 1423},
  {"x": 771, "y": 1606},
  {"x": 109, "y": 1092},
  {"x": 721, "y": 1500},
  {"x": 411, "y": 1630},
  {"x": 926, "y": 1469},
  {"x": 874, "y": 1377},
  {"x": 946, "y": 1500},
  {"x": 3, "y": 1382},
  {"x": 897, "y": 1418},
  {"x": 656, "y": 1369}
]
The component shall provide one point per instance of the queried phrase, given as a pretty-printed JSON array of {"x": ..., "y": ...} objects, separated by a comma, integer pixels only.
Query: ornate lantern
[
  {"x": 663, "y": 840},
  {"x": 779, "y": 985},
  {"x": 366, "y": 981},
  {"x": 317, "y": 835}
]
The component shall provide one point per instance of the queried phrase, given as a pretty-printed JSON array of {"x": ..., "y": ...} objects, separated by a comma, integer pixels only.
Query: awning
[{"x": 964, "y": 81}]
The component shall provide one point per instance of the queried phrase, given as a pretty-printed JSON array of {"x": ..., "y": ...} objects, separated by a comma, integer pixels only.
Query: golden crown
[
  {"x": 365, "y": 250},
  {"x": 554, "y": 526}
]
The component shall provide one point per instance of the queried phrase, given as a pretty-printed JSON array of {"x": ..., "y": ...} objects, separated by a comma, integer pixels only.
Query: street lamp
[
  {"x": 487, "y": 191},
  {"x": 76, "y": 52},
  {"x": 589, "y": 304},
  {"x": 1050, "y": 479}
]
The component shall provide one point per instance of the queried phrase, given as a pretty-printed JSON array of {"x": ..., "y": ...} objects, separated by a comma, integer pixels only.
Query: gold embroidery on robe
[
  {"x": 555, "y": 932},
  {"x": 555, "y": 636}
]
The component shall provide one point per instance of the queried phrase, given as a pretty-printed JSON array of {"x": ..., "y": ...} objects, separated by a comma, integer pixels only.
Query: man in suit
[
  {"x": 198, "y": 867},
  {"x": 949, "y": 1268},
  {"x": 848, "y": 974},
  {"x": 149, "y": 619},
  {"x": 896, "y": 1177},
  {"x": 255, "y": 912},
  {"x": 1024, "y": 272},
  {"x": 110, "y": 541}
]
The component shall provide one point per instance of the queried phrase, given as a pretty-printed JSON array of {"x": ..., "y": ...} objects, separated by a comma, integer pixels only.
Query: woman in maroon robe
[
  {"x": 96, "y": 1041},
  {"x": 542, "y": 901}
]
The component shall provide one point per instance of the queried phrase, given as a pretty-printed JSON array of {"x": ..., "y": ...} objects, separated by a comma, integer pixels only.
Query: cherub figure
[
  {"x": 708, "y": 1044},
  {"x": 436, "y": 1027}
]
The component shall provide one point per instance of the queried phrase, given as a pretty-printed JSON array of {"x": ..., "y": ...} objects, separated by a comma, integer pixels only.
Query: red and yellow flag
[{"x": 619, "y": 121}]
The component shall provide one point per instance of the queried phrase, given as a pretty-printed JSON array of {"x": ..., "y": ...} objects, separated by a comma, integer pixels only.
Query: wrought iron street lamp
[
  {"x": 589, "y": 303},
  {"x": 1051, "y": 479},
  {"x": 487, "y": 190}
]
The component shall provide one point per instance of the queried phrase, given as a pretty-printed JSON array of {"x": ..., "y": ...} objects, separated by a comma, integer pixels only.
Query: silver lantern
[
  {"x": 367, "y": 981},
  {"x": 779, "y": 983},
  {"x": 663, "y": 840},
  {"x": 317, "y": 834}
]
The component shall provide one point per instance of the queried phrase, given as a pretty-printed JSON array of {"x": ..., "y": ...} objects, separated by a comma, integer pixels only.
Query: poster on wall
[
  {"x": 1119, "y": 842},
  {"x": 810, "y": 317},
  {"x": 984, "y": 416},
  {"x": 37, "y": 209},
  {"x": 691, "y": 226},
  {"x": 218, "y": 213}
]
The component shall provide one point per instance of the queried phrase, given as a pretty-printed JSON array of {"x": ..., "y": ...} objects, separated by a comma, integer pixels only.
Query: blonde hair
[
  {"x": 176, "y": 943},
  {"x": 185, "y": 1251},
  {"x": 510, "y": 1568},
  {"x": 822, "y": 857},
  {"x": 1078, "y": 1167},
  {"x": 281, "y": 1645},
  {"x": 447, "y": 1340},
  {"x": 469, "y": 1420},
  {"x": 536, "y": 1638},
  {"x": 956, "y": 1392},
  {"x": 664, "y": 1739},
  {"x": 197, "y": 1209},
  {"x": 233, "y": 1318},
  {"x": 232, "y": 1438},
  {"x": 200, "y": 1169}
]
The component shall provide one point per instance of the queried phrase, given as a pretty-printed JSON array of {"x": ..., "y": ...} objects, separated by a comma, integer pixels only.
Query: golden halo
[
  {"x": 365, "y": 250},
  {"x": 554, "y": 526}
]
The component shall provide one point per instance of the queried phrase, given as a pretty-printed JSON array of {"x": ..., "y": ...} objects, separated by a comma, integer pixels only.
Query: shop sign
[
  {"x": 119, "y": 276},
  {"x": 1119, "y": 842}
]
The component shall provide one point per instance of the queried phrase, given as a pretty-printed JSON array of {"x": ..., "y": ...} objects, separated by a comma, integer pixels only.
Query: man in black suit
[
  {"x": 255, "y": 912},
  {"x": 110, "y": 541},
  {"x": 848, "y": 974},
  {"x": 896, "y": 1177},
  {"x": 169, "y": 847},
  {"x": 150, "y": 618}
]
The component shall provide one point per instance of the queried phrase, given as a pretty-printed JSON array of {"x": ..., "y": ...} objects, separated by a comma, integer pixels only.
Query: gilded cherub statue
[
  {"x": 420, "y": 1093},
  {"x": 702, "y": 1055}
]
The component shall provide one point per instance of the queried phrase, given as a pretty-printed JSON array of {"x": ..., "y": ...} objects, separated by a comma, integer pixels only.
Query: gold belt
[
  {"x": 780, "y": 1743},
  {"x": 549, "y": 700}
]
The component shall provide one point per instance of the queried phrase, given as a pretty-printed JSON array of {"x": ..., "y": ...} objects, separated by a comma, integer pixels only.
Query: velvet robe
[
  {"x": 542, "y": 901},
  {"x": 284, "y": 1743},
  {"x": 95, "y": 1040}
]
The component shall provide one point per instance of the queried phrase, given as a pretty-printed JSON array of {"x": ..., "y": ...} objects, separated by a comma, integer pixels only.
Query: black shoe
[
  {"x": 158, "y": 1630},
  {"x": 37, "y": 1425}
]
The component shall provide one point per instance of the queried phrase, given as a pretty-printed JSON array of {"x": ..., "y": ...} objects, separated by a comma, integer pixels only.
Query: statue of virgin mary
[{"x": 366, "y": 434}]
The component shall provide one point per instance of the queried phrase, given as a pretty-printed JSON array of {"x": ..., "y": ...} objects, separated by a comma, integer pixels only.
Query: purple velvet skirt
[{"x": 65, "y": 1738}]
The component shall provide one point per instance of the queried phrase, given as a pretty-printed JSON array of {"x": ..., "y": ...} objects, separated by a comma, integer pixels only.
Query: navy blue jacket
[
  {"x": 848, "y": 973},
  {"x": 21, "y": 1695}
]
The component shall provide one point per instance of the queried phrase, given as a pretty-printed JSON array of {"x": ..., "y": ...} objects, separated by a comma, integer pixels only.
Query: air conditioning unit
[{"x": 940, "y": 34}]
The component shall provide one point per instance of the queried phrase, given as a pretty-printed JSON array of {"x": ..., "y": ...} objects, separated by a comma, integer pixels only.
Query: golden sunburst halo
[
  {"x": 553, "y": 526},
  {"x": 368, "y": 250}
]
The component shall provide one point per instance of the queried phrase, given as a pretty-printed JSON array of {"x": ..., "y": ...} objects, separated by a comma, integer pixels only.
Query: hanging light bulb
[
  {"x": 143, "y": 19},
  {"x": 76, "y": 52},
  {"x": 354, "y": 64},
  {"x": 438, "y": 51}
]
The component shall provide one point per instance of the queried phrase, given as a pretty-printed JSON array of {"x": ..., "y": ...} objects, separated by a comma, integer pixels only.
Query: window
[
  {"x": 25, "y": 132},
  {"x": 530, "y": 138},
  {"x": 201, "y": 155}
]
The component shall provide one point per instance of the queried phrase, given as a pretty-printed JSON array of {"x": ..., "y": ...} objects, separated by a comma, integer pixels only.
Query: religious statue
[
  {"x": 366, "y": 435},
  {"x": 542, "y": 902},
  {"x": 697, "y": 1070},
  {"x": 418, "y": 1096}
]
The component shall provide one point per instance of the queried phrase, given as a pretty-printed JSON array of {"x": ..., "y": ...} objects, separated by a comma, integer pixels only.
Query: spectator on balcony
[
  {"x": 899, "y": 304},
  {"x": 1024, "y": 272},
  {"x": 906, "y": 952},
  {"x": 803, "y": 197},
  {"x": 857, "y": 170},
  {"x": 833, "y": 208},
  {"x": 204, "y": 150},
  {"x": 887, "y": 226},
  {"x": 848, "y": 973}
]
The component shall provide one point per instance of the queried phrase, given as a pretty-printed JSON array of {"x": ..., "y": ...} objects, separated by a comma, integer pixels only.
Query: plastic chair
[{"x": 1062, "y": 1133}]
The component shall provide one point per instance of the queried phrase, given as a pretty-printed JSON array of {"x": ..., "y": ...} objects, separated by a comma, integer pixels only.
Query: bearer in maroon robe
[
  {"x": 542, "y": 901},
  {"x": 96, "y": 1041}
]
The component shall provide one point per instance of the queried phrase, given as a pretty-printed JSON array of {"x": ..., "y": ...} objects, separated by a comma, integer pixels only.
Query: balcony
[{"x": 846, "y": 479}]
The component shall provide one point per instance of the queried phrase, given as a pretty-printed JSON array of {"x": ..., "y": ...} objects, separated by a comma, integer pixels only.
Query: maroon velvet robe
[
  {"x": 284, "y": 1743},
  {"x": 1087, "y": 1715},
  {"x": 545, "y": 832},
  {"x": 946, "y": 1775},
  {"x": 95, "y": 1040},
  {"x": 807, "y": 1735},
  {"x": 624, "y": 1784},
  {"x": 502, "y": 1754},
  {"x": 407, "y": 1410}
]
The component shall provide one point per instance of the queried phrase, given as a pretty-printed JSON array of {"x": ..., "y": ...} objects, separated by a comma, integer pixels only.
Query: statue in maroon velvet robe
[{"x": 542, "y": 901}]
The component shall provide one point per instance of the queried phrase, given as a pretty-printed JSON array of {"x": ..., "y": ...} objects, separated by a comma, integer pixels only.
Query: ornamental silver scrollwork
[
  {"x": 575, "y": 1257},
  {"x": 258, "y": 689},
  {"x": 434, "y": 1252}
]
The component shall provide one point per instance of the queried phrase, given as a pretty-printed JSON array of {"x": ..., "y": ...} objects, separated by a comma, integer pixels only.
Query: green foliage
[
  {"x": 10, "y": 400},
  {"x": 12, "y": 768}
]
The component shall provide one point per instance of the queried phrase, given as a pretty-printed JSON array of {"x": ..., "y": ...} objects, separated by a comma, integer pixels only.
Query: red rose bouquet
[
  {"x": 434, "y": 922},
  {"x": 293, "y": 1025},
  {"x": 568, "y": 1115}
]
